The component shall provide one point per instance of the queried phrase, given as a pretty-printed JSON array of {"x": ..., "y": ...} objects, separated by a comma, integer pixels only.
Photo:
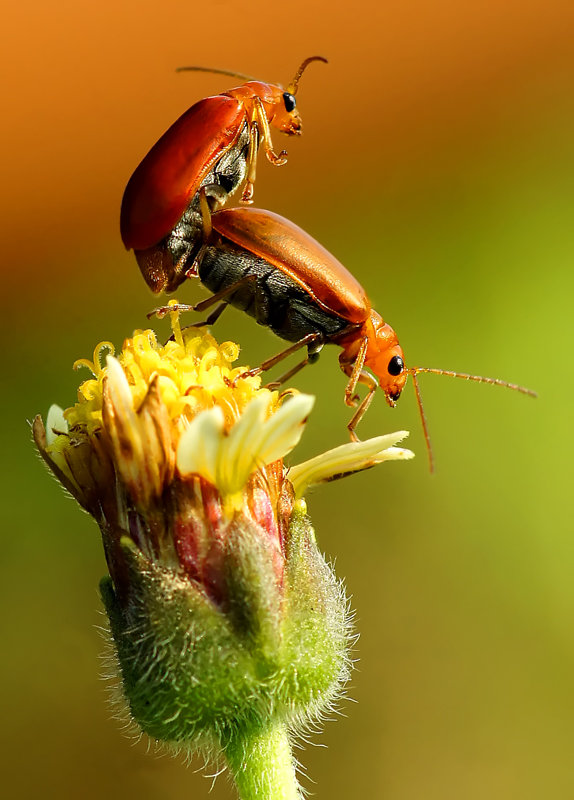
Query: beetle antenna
[
  {"x": 477, "y": 378},
  {"x": 413, "y": 372},
  {"x": 292, "y": 88},
  {"x": 228, "y": 72}
]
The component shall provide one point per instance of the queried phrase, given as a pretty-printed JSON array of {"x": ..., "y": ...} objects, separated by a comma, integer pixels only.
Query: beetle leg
[
  {"x": 311, "y": 358},
  {"x": 162, "y": 311},
  {"x": 223, "y": 293},
  {"x": 193, "y": 271},
  {"x": 204, "y": 304},
  {"x": 369, "y": 381},
  {"x": 247, "y": 196},
  {"x": 355, "y": 374},
  {"x": 261, "y": 116},
  {"x": 260, "y": 133},
  {"x": 205, "y": 214},
  {"x": 307, "y": 341},
  {"x": 213, "y": 317}
]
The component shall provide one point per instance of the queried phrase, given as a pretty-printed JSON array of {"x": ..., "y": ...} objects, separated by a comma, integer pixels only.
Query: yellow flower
[
  {"x": 156, "y": 427},
  {"x": 224, "y": 615}
]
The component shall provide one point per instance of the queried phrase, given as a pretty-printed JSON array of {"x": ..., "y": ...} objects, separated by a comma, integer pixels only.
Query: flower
[{"x": 229, "y": 627}]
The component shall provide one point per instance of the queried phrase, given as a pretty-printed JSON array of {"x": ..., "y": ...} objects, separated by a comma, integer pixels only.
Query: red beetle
[
  {"x": 196, "y": 166},
  {"x": 273, "y": 270}
]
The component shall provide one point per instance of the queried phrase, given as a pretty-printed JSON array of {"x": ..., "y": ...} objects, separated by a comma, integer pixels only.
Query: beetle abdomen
[{"x": 271, "y": 297}]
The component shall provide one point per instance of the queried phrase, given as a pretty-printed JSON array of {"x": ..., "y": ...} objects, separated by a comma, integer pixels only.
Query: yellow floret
[{"x": 193, "y": 374}]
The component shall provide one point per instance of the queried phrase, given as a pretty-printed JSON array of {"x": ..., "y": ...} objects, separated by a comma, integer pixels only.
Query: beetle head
[
  {"x": 285, "y": 116},
  {"x": 385, "y": 357}
]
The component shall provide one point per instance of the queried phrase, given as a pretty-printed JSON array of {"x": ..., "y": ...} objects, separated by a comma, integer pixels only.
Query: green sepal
[{"x": 316, "y": 626}]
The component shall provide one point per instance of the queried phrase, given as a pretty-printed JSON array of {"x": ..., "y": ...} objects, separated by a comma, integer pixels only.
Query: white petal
[
  {"x": 120, "y": 392},
  {"x": 255, "y": 441},
  {"x": 237, "y": 459},
  {"x": 348, "y": 458},
  {"x": 55, "y": 421},
  {"x": 284, "y": 429},
  {"x": 200, "y": 445}
]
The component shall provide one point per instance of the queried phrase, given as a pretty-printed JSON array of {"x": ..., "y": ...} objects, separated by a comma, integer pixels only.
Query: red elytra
[
  {"x": 271, "y": 268},
  {"x": 163, "y": 184},
  {"x": 212, "y": 147},
  {"x": 293, "y": 251}
]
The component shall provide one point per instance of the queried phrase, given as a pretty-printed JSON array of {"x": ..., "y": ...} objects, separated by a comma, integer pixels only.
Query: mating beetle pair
[
  {"x": 196, "y": 167},
  {"x": 262, "y": 263}
]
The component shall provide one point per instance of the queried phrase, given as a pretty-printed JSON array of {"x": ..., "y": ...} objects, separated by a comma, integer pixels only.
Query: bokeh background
[{"x": 437, "y": 163}]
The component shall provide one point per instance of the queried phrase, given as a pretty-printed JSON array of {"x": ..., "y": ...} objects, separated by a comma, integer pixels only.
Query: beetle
[
  {"x": 196, "y": 166},
  {"x": 267, "y": 266}
]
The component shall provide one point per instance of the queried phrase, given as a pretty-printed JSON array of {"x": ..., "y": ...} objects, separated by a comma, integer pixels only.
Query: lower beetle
[{"x": 267, "y": 266}]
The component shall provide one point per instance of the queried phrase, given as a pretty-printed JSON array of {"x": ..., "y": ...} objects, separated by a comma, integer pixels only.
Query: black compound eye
[
  {"x": 289, "y": 101},
  {"x": 396, "y": 365}
]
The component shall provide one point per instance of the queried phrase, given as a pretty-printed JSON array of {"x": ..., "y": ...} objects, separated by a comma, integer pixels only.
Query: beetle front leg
[
  {"x": 354, "y": 373},
  {"x": 261, "y": 117},
  {"x": 371, "y": 383}
]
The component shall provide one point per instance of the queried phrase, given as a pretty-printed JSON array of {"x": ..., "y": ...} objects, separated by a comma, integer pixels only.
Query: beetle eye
[
  {"x": 396, "y": 365},
  {"x": 289, "y": 101}
]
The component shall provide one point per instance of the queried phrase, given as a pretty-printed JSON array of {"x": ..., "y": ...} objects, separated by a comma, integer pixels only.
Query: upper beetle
[{"x": 203, "y": 159}]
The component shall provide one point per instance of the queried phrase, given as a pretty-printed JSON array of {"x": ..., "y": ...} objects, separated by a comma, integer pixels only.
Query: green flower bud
[{"x": 203, "y": 672}]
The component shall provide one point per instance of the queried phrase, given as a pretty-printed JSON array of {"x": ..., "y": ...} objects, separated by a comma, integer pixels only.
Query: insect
[
  {"x": 267, "y": 266},
  {"x": 196, "y": 166}
]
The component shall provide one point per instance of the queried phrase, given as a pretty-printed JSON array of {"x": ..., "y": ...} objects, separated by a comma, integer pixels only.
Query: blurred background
[{"x": 437, "y": 164}]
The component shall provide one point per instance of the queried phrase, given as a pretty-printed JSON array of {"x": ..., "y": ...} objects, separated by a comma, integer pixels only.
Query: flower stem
[{"x": 263, "y": 766}]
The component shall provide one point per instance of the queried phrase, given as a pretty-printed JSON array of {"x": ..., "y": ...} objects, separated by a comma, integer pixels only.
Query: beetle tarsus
[
  {"x": 249, "y": 373},
  {"x": 247, "y": 196},
  {"x": 277, "y": 160},
  {"x": 163, "y": 311}
]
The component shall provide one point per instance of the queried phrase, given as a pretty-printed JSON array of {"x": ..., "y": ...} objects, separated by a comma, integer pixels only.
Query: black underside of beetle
[
  {"x": 271, "y": 297},
  {"x": 222, "y": 181}
]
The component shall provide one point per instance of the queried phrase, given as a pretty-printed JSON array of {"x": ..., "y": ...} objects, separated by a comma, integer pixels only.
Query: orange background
[{"x": 437, "y": 164}]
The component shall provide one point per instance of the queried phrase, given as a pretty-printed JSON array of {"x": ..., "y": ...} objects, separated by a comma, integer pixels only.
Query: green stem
[{"x": 262, "y": 765}]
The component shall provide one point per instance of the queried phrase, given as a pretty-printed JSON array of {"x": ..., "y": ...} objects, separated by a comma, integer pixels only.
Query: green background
[{"x": 437, "y": 164}]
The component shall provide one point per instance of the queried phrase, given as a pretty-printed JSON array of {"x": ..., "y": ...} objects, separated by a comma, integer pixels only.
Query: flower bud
[{"x": 225, "y": 617}]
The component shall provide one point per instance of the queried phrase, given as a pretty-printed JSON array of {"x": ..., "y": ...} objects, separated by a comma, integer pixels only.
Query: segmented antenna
[
  {"x": 477, "y": 378},
  {"x": 292, "y": 88},
  {"x": 423, "y": 419},
  {"x": 216, "y": 71}
]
